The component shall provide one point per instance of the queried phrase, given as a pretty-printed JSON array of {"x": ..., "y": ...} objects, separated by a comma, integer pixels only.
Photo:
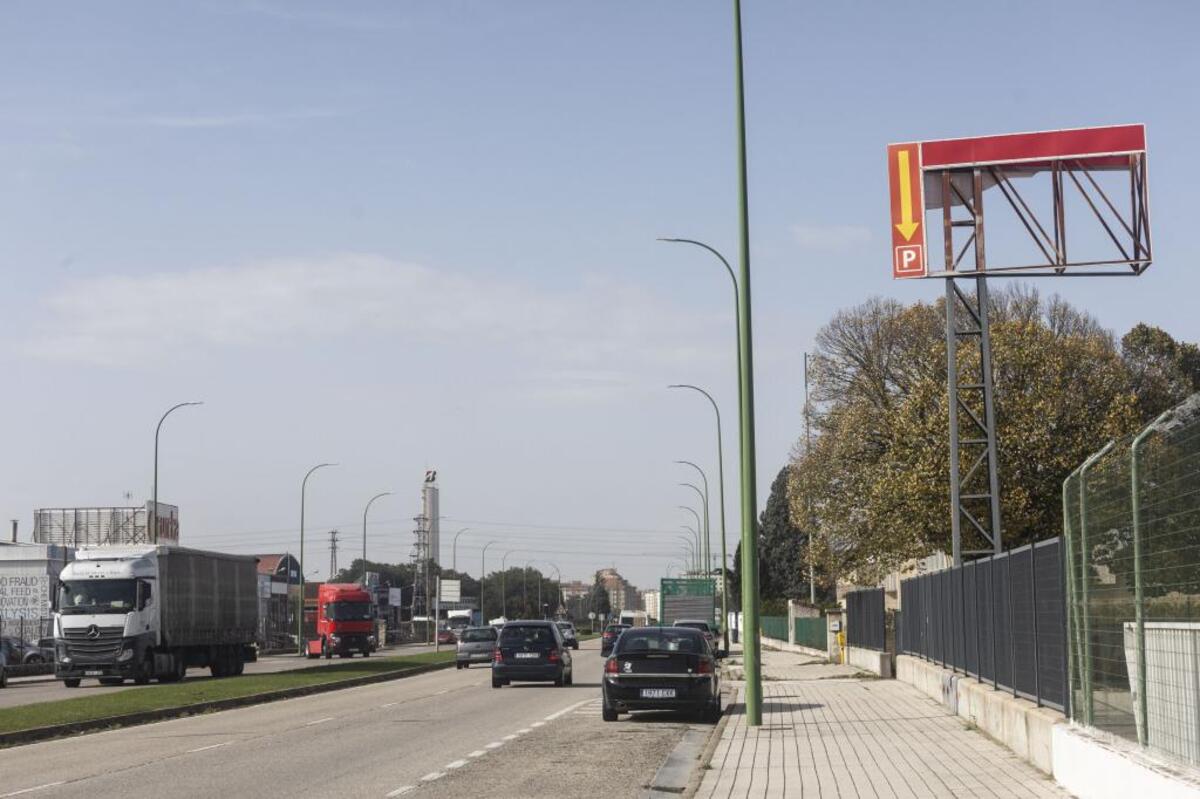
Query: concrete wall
[
  {"x": 784, "y": 646},
  {"x": 1098, "y": 766},
  {"x": 870, "y": 660}
]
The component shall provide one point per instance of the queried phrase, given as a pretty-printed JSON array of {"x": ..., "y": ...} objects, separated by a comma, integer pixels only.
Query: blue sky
[{"x": 410, "y": 235}]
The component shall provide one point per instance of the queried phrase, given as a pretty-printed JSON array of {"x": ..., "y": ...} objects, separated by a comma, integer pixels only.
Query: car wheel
[
  {"x": 33, "y": 659},
  {"x": 609, "y": 713},
  {"x": 72, "y": 682},
  {"x": 497, "y": 683},
  {"x": 366, "y": 653},
  {"x": 570, "y": 677}
]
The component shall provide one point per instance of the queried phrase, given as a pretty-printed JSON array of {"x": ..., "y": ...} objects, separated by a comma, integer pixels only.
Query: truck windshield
[
  {"x": 97, "y": 596},
  {"x": 348, "y": 611}
]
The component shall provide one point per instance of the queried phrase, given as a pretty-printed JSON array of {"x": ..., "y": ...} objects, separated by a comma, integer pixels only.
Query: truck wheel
[
  {"x": 325, "y": 650},
  {"x": 366, "y": 653},
  {"x": 72, "y": 682},
  {"x": 239, "y": 668}
]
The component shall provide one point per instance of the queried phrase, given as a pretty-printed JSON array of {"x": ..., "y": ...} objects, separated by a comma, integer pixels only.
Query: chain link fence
[
  {"x": 1131, "y": 518},
  {"x": 28, "y": 646}
]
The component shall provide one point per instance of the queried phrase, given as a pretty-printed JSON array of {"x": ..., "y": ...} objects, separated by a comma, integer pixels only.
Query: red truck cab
[{"x": 345, "y": 622}]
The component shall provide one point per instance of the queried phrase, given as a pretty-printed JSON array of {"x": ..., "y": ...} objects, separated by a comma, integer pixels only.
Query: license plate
[
  {"x": 527, "y": 655},
  {"x": 93, "y": 674},
  {"x": 658, "y": 693}
]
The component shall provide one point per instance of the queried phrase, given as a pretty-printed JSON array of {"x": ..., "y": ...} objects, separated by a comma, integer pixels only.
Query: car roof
[
  {"x": 529, "y": 623},
  {"x": 690, "y": 621}
]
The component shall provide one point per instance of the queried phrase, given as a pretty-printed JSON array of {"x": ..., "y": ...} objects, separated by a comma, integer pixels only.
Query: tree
[
  {"x": 782, "y": 546},
  {"x": 598, "y": 602}
]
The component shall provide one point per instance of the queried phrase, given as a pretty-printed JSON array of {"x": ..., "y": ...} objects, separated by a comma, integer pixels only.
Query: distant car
[
  {"x": 609, "y": 637},
  {"x": 20, "y": 652},
  {"x": 476, "y": 645},
  {"x": 661, "y": 668},
  {"x": 701, "y": 625},
  {"x": 446, "y": 637},
  {"x": 568, "y": 633},
  {"x": 531, "y": 651}
]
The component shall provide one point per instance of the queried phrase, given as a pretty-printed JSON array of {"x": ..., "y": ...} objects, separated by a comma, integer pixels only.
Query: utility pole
[{"x": 333, "y": 567}]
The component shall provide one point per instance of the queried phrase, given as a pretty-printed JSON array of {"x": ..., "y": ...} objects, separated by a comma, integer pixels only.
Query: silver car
[{"x": 475, "y": 645}]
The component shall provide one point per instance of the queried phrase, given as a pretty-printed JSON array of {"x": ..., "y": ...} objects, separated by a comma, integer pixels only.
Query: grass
[{"x": 158, "y": 697}]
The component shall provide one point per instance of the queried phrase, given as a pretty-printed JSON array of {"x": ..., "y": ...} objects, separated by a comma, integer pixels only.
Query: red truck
[{"x": 344, "y": 621}]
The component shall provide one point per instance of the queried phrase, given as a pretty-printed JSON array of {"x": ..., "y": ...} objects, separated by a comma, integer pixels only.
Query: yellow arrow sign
[{"x": 907, "y": 226}]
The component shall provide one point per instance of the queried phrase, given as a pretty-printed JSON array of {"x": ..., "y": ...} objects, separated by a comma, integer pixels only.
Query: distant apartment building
[
  {"x": 621, "y": 595},
  {"x": 572, "y": 589},
  {"x": 650, "y": 602}
]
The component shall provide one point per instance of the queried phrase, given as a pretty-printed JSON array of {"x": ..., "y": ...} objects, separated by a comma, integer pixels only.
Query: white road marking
[
  {"x": 443, "y": 691},
  {"x": 433, "y": 775},
  {"x": 390, "y": 704},
  {"x": 319, "y": 721},
  {"x": 403, "y": 789},
  {"x": 35, "y": 788},
  {"x": 455, "y": 764},
  {"x": 494, "y": 745},
  {"x": 509, "y": 737},
  {"x": 522, "y": 732},
  {"x": 567, "y": 710},
  {"x": 210, "y": 746},
  {"x": 477, "y": 753},
  {"x": 537, "y": 724}
]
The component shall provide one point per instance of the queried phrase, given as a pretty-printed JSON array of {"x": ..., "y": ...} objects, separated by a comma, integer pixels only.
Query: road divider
[{"x": 45, "y": 720}]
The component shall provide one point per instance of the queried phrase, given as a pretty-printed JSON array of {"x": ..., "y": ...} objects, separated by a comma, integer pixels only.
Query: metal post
[
  {"x": 705, "y": 567},
  {"x": 482, "y": 573},
  {"x": 1086, "y": 665},
  {"x": 154, "y": 501},
  {"x": 699, "y": 527},
  {"x": 952, "y": 389},
  {"x": 454, "y": 550},
  {"x": 720, "y": 492},
  {"x": 750, "y": 657},
  {"x": 300, "y": 620},
  {"x": 364, "y": 554},
  {"x": 696, "y": 548},
  {"x": 707, "y": 546},
  {"x": 1138, "y": 585}
]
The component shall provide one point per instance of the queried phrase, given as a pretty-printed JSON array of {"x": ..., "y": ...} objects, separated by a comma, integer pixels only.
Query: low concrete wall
[
  {"x": 870, "y": 660},
  {"x": 1098, "y": 766},
  {"x": 1019, "y": 724},
  {"x": 784, "y": 646}
]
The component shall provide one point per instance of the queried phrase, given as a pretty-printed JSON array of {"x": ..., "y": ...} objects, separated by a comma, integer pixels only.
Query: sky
[{"x": 402, "y": 235}]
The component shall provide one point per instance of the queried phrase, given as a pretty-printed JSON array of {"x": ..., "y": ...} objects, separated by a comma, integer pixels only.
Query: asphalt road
[
  {"x": 393, "y": 738},
  {"x": 28, "y": 690}
]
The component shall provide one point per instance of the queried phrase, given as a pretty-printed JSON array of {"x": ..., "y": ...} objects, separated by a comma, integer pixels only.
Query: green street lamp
[
  {"x": 704, "y": 523},
  {"x": 300, "y": 620},
  {"x": 707, "y": 539},
  {"x": 158, "y": 429},
  {"x": 454, "y": 550},
  {"x": 691, "y": 550},
  {"x": 370, "y": 502}
]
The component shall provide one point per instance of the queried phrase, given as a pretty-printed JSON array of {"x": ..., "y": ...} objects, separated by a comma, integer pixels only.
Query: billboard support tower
[{"x": 951, "y": 175}]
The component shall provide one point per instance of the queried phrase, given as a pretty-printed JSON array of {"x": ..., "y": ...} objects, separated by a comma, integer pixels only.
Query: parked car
[
  {"x": 3, "y": 670},
  {"x": 531, "y": 651},
  {"x": 661, "y": 668},
  {"x": 21, "y": 652},
  {"x": 609, "y": 637},
  {"x": 446, "y": 636},
  {"x": 702, "y": 626},
  {"x": 568, "y": 632},
  {"x": 476, "y": 645}
]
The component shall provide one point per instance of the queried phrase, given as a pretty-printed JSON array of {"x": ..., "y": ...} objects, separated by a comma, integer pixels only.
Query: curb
[
  {"x": 21, "y": 737},
  {"x": 682, "y": 771}
]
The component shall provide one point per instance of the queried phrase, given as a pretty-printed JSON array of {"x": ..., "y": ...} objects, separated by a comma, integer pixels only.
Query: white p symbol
[{"x": 909, "y": 260}]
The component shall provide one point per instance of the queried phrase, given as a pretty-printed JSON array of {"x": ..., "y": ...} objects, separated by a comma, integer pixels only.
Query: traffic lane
[
  {"x": 28, "y": 690},
  {"x": 552, "y": 760},
  {"x": 367, "y": 740}
]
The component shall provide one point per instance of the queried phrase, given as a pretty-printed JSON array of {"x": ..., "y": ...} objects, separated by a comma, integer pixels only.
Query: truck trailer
[
  {"x": 688, "y": 598},
  {"x": 150, "y": 612}
]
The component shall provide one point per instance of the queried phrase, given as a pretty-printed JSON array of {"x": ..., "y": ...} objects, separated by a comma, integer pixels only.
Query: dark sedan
[
  {"x": 609, "y": 637},
  {"x": 662, "y": 668},
  {"x": 531, "y": 651}
]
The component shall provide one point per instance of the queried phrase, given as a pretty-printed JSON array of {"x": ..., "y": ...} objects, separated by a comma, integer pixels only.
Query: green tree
[{"x": 598, "y": 601}]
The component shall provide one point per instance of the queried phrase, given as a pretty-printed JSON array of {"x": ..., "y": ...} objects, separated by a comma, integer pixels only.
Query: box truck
[{"x": 151, "y": 612}]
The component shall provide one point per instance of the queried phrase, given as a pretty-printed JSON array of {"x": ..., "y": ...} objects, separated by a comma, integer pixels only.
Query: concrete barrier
[
  {"x": 870, "y": 660},
  {"x": 1100, "y": 766},
  {"x": 784, "y": 646}
]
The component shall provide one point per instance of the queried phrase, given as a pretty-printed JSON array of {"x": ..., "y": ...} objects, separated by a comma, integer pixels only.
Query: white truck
[{"x": 150, "y": 612}]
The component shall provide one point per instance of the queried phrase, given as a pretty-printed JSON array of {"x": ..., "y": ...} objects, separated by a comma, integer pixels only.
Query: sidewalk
[{"x": 827, "y": 734}]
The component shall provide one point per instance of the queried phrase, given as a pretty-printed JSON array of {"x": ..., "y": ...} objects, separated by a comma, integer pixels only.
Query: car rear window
[
  {"x": 679, "y": 639},
  {"x": 516, "y": 635},
  {"x": 475, "y": 636},
  {"x": 694, "y": 625}
]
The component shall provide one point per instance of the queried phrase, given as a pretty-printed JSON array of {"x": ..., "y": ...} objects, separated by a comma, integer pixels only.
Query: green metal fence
[
  {"x": 812, "y": 633},
  {"x": 1131, "y": 519},
  {"x": 774, "y": 627}
]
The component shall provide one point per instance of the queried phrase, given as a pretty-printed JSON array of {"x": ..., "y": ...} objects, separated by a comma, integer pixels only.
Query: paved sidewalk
[{"x": 859, "y": 738}]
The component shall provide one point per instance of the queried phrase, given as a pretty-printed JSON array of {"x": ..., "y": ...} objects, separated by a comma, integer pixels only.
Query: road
[
  {"x": 28, "y": 690},
  {"x": 447, "y": 733}
]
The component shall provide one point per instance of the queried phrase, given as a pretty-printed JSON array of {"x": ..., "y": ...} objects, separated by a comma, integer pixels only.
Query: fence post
[
  {"x": 1138, "y": 588},
  {"x": 1012, "y": 643},
  {"x": 1086, "y": 676},
  {"x": 1037, "y": 671},
  {"x": 1069, "y": 607}
]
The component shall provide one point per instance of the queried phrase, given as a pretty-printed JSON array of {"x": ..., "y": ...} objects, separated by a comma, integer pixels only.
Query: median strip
[{"x": 44, "y": 720}]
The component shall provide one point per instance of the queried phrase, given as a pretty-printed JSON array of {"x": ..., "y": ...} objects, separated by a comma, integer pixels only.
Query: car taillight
[
  {"x": 610, "y": 666},
  {"x": 705, "y": 667},
  {"x": 553, "y": 656},
  {"x": 497, "y": 657}
]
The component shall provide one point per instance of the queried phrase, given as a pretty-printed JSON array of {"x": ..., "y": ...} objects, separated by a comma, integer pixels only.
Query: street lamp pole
[
  {"x": 707, "y": 539},
  {"x": 695, "y": 535},
  {"x": 370, "y": 502},
  {"x": 482, "y": 572},
  {"x": 154, "y": 498},
  {"x": 454, "y": 550},
  {"x": 703, "y": 496},
  {"x": 720, "y": 493},
  {"x": 691, "y": 550},
  {"x": 303, "y": 490}
]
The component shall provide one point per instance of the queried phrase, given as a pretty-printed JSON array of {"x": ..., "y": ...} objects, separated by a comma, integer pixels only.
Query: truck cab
[{"x": 345, "y": 621}]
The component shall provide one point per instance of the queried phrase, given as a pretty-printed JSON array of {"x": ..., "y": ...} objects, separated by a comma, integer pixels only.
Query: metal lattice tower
[
  {"x": 420, "y": 560},
  {"x": 333, "y": 567}
]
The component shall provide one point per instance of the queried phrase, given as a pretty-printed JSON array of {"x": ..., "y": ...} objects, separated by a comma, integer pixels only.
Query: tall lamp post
[
  {"x": 370, "y": 502},
  {"x": 707, "y": 531},
  {"x": 303, "y": 490},
  {"x": 721, "y": 491},
  {"x": 482, "y": 572},
  {"x": 691, "y": 550},
  {"x": 696, "y": 536},
  {"x": 154, "y": 499},
  {"x": 703, "y": 497},
  {"x": 454, "y": 549},
  {"x": 699, "y": 526}
]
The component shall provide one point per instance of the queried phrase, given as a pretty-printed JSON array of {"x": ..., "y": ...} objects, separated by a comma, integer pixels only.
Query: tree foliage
[{"x": 874, "y": 482}]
